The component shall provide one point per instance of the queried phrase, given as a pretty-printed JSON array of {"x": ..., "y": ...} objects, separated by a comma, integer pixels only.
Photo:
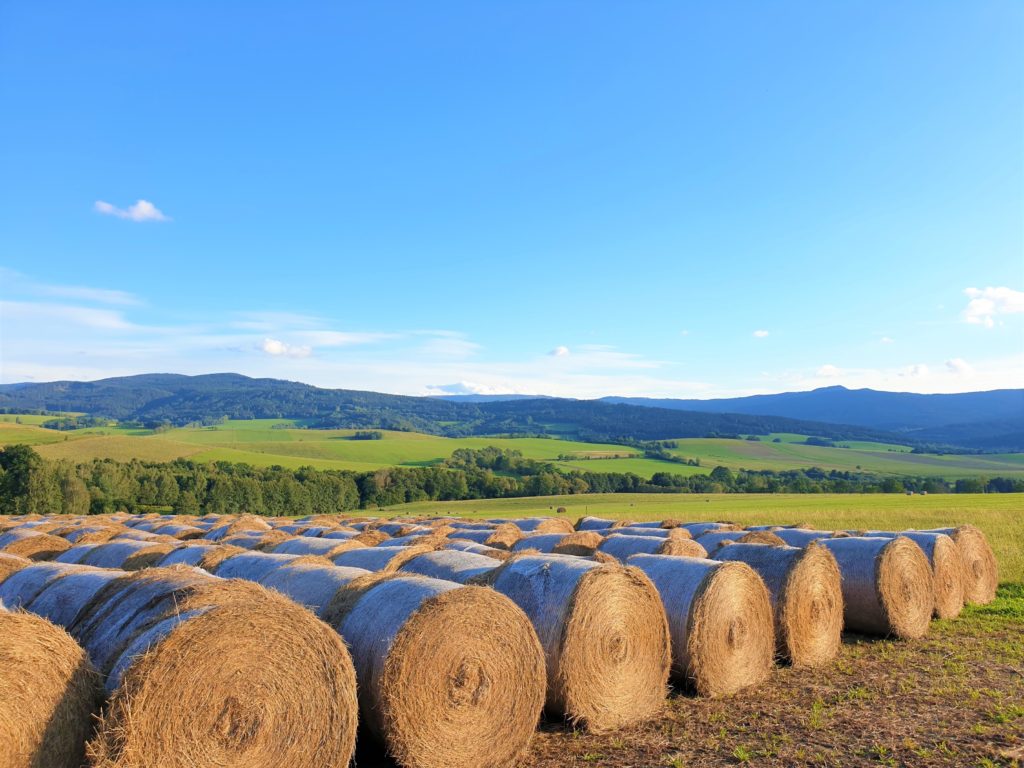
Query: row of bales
[{"x": 144, "y": 641}]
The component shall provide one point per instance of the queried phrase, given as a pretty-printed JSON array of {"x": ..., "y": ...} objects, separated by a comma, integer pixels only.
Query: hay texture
[
  {"x": 948, "y": 571},
  {"x": 593, "y": 524},
  {"x": 11, "y": 564},
  {"x": 887, "y": 585},
  {"x": 243, "y": 524},
  {"x": 449, "y": 676},
  {"x": 806, "y": 594},
  {"x": 204, "y": 671},
  {"x": 385, "y": 559},
  {"x": 127, "y": 555},
  {"x": 63, "y": 597},
  {"x": 536, "y": 525},
  {"x": 624, "y": 546},
  {"x": 604, "y": 634},
  {"x": 451, "y": 565},
  {"x": 29, "y": 543},
  {"x": 307, "y": 545},
  {"x": 721, "y": 621},
  {"x": 49, "y": 693},
  {"x": 463, "y": 545},
  {"x": 580, "y": 544},
  {"x": 981, "y": 572}
]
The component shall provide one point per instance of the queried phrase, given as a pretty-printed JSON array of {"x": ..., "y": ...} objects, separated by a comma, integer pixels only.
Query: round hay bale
[
  {"x": 48, "y": 694},
  {"x": 538, "y": 525},
  {"x": 623, "y": 546},
  {"x": 541, "y": 542},
  {"x": 807, "y": 597},
  {"x": 310, "y": 583},
  {"x": 580, "y": 544},
  {"x": 699, "y": 529},
  {"x": 712, "y": 540},
  {"x": 340, "y": 533},
  {"x": 76, "y": 554},
  {"x": 948, "y": 571},
  {"x": 660, "y": 533},
  {"x": 801, "y": 537},
  {"x": 245, "y": 523},
  {"x": 604, "y": 634},
  {"x": 32, "y": 544},
  {"x": 464, "y": 545},
  {"x": 10, "y": 564},
  {"x": 370, "y": 538},
  {"x": 127, "y": 555},
  {"x": 206, "y": 671},
  {"x": 451, "y": 565},
  {"x": 190, "y": 553},
  {"x": 385, "y": 559},
  {"x": 255, "y": 566},
  {"x": 63, "y": 597},
  {"x": 415, "y": 538},
  {"x": 593, "y": 524},
  {"x": 887, "y": 585},
  {"x": 180, "y": 531},
  {"x": 720, "y": 617},
  {"x": 306, "y": 545},
  {"x": 21, "y": 587},
  {"x": 762, "y": 537},
  {"x": 981, "y": 572},
  {"x": 214, "y": 557},
  {"x": 256, "y": 540},
  {"x": 92, "y": 534},
  {"x": 450, "y": 676},
  {"x": 481, "y": 535}
]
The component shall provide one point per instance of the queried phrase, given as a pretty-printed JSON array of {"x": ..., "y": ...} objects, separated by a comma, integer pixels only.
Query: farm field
[{"x": 266, "y": 442}]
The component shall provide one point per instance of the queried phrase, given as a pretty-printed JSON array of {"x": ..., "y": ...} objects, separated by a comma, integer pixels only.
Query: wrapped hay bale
[
  {"x": 452, "y": 565},
  {"x": 720, "y": 617},
  {"x": 887, "y": 585},
  {"x": 205, "y": 671},
  {"x": 540, "y": 542},
  {"x": 32, "y": 544},
  {"x": 699, "y": 529},
  {"x": 580, "y": 544},
  {"x": 380, "y": 558},
  {"x": 63, "y": 596},
  {"x": 11, "y": 564},
  {"x": 256, "y": 566},
  {"x": 190, "y": 553},
  {"x": 340, "y": 533},
  {"x": 806, "y": 594},
  {"x": 593, "y": 524},
  {"x": 464, "y": 545},
  {"x": 310, "y": 583},
  {"x": 369, "y": 538},
  {"x": 127, "y": 555},
  {"x": 306, "y": 545},
  {"x": 604, "y": 634},
  {"x": 450, "y": 676},
  {"x": 21, "y": 588},
  {"x": 49, "y": 693},
  {"x": 801, "y": 537},
  {"x": 92, "y": 534},
  {"x": 662, "y": 533},
  {"x": 539, "y": 524},
  {"x": 714, "y": 539},
  {"x": 623, "y": 546},
  {"x": 243, "y": 524},
  {"x": 260, "y": 541},
  {"x": 180, "y": 531},
  {"x": 981, "y": 572},
  {"x": 76, "y": 554}
]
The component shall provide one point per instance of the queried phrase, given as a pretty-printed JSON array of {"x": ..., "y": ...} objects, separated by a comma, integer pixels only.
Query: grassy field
[
  {"x": 998, "y": 515},
  {"x": 266, "y": 442}
]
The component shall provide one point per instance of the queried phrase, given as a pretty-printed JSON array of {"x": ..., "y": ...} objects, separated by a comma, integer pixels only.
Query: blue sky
[{"x": 573, "y": 198}]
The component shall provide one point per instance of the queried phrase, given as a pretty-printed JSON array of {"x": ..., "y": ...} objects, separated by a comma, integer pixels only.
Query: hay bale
[
  {"x": 580, "y": 544},
  {"x": 214, "y": 557},
  {"x": 801, "y": 537},
  {"x": 712, "y": 540},
  {"x": 21, "y": 587},
  {"x": 311, "y": 584},
  {"x": 76, "y": 554},
  {"x": 127, "y": 555},
  {"x": 948, "y": 571},
  {"x": 370, "y": 538},
  {"x": 806, "y": 594},
  {"x": 190, "y": 553},
  {"x": 180, "y": 531},
  {"x": 205, "y": 671},
  {"x": 340, "y": 533},
  {"x": 380, "y": 558},
  {"x": 699, "y": 529},
  {"x": 10, "y": 564},
  {"x": 92, "y": 534},
  {"x": 762, "y": 537},
  {"x": 260, "y": 541},
  {"x": 63, "y": 597},
  {"x": 255, "y": 566},
  {"x": 463, "y": 545},
  {"x": 537, "y": 525},
  {"x": 604, "y": 634},
  {"x": 49, "y": 693},
  {"x": 623, "y": 546},
  {"x": 887, "y": 585},
  {"x": 305, "y": 545},
  {"x": 452, "y": 565},
  {"x": 541, "y": 542},
  {"x": 981, "y": 572},
  {"x": 720, "y": 617},
  {"x": 242, "y": 524},
  {"x": 450, "y": 676},
  {"x": 662, "y": 533},
  {"x": 589, "y": 523},
  {"x": 29, "y": 543}
]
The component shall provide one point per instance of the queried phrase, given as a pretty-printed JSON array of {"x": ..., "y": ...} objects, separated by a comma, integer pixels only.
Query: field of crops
[
  {"x": 470, "y": 641},
  {"x": 268, "y": 442}
]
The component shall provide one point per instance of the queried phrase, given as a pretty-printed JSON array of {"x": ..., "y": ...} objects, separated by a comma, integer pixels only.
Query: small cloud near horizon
[
  {"x": 829, "y": 371},
  {"x": 987, "y": 303},
  {"x": 959, "y": 367},
  {"x": 277, "y": 348},
  {"x": 141, "y": 210}
]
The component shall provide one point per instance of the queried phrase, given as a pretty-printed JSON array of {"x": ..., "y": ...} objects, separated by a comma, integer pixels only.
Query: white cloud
[
  {"x": 959, "y": 367},
  {"x": 559, "y": 352},
  {"x": 278, "y": 348},
  {"x": 471, "y": 388},
  {"x": 987, "y": 303},
  {"x": 916, "y": 371},
  {"x": 886, "y": 340},
  {"x": 140, "y": 210},
  {"x": 760, "y": 334},
  {"x": 829, "y": 371},
  {"x": 47, "y": 314}
]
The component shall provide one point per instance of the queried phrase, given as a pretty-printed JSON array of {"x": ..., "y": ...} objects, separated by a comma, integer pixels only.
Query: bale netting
[
  {"x": 255, "y": 566},
  {"x": 538, "y": 525},
  {"x": 190, "y": 553},
  {"x": 128, "y": 555},
  {"x": 49, "y": 693},
  {"x": 452, "y": 565},
  {"x": 204, "y": 671},
  {"x": 801, "y": 537},
  {"x": 64, "y": 596},
  {"x": 887, "y": 585},
  {"x": 380, "y": 558},
  {"x": 699, "y": 529},
  {"x": 623, "y": 546},
  {"x": 21, "y": 587},
  {"x": 807, "y": 597},
  {"x": 540, "y": 542},
  {"x": 214, "y": 557},
  {"x": 308, "y": 545},
  {"x": 604, "y": 634},
  {"x": 593, "y": 524},
  {"x": 311, "y": 583},
  {"x": 257, "y": 540},
  {"x": 464, "y": 545},
  {"x": 720, "y": 617},
  {"x": 32, "y": 544},
  {"x": 649, "y": 530},
  {"x": 450, "y": 676},
  {"x": 948, "y": 571},
  {"x": 981, "y": 572}
]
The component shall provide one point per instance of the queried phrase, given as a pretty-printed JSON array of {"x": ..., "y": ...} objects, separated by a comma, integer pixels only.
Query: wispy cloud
[
  {"x": 959, "y": 367},
  {"x": 760, "y": 334},
  {"x": 886, "y": 340},
  {"x": 559, "y": 352},
  {"x": 15, "y": 283},
  {"x": 829, "y": 371},
  {"x": 986, "y": 304},
  {"x": 140, "y": 210}
]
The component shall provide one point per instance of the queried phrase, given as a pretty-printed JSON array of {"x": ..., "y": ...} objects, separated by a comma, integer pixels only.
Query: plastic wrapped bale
[
  {"x": 464, "y": 545},
  {"x": 714, "y": 539},
  {"x": 450, "y": 676},
  {"x": 305, "y": 545},
  {"x": 807, "y": 597},
  {"x": 452, "y": 565},
  {"x": 310, "y": 583},
  {"x": 720, "y": 617},
  {"x": 255, "y": 566},
  {"x": 593, "y": 524},
  {"x": 539, "y": 542},
  {"x": 623, "y": 546},
  {"x": 243, "y": 524},
  {"x": 536, "y": 525},
  {"x": 697, "y": 530},
  {"x": 380, "y": 558},
  {"x": 604, "y": 634},
  {"x": 127, "y": 555},
  {"x": 981, "y": 572},
  {"x": 661, "y": 533},
  {"x": 191, "y": 553},
  {"x": 32, "y": 544},
  {"x": 800, "y": 537},
  {"x": 261, "y": 541},
  {"x": 887, "y": 585},
  {"x": 76, "y": 554},
  {"x": 205, "y": 671},
  {"x": 63, "y": 597},
  {"x": 180, "y": 531},
  {"x": 580, "y": 544},
  {"x": 49, "y": 693},
  {"x": 21, "y": 587}
]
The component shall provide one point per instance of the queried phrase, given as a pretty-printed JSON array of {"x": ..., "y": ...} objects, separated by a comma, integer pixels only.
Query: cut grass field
[{"x": 266, "y": 442}]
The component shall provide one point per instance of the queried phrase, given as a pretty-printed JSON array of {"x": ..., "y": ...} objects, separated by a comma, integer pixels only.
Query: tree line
[{"x": 30, "y": 484}]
